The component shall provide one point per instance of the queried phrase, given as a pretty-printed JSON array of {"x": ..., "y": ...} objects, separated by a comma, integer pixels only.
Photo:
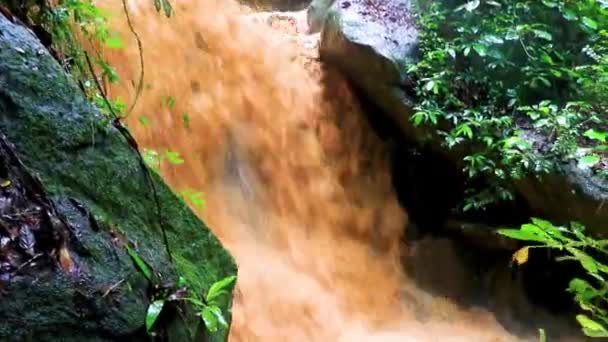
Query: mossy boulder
[{"x": 92, "y": 176}]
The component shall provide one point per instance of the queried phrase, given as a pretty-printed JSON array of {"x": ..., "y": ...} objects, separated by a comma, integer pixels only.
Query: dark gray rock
[
  {"x": 371, "y": 43},
  {"x": 96, "y": 181},
  {"x": 569, "y": 194}
]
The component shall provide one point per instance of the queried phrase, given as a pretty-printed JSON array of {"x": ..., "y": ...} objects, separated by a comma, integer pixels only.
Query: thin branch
[
  {"x": 141, "y": 57},
  {"x": 131, "y": 141}
]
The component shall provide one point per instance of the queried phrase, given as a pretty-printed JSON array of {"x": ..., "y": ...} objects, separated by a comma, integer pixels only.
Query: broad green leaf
[
  {"x": 532, "y": 228},
  {"x": 591, "y": 328},
  {"x": 481, "y": 49},
  {"x": 543, "y": 35},
  {"x": 595, "y": 135},
  {"x": 582, "y": 289},
  {"x": 521, "y": 235},
  {"x": 590, "y": 23},
  {"x": 218, "y": 315},
  {"x": 588, "y": 263},
  {"x": 141, "y": 264},
  {"x": 153, "y": 312},
  {"x": 209, "y": 318},
  {"x": 568, "y": 14},
  {"x": 588, "y": 161},
  {"x": 218, "y": 288},
  {"x": 543, "y": 224}
]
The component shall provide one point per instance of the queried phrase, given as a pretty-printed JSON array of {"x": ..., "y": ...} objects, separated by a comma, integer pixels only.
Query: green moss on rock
[{"x": 55, "y": 133}]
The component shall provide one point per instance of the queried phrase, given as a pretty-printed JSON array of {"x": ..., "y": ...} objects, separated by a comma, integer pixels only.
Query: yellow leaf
[
  {"x": 521, "y": 256},
  {"x": 5, "y": 183},
  {"x": 65, "y": 260}
]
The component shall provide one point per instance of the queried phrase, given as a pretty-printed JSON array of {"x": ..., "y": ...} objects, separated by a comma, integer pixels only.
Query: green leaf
[
  {"x": 542, "y": 336},
  {"x": 591, "y": 328},
  {"x": 544, "y": 81},
  {"x": 218, "y": 288},
  {"x": 417, "y": 118},
  {"x": 173, "y": 157},
  {"x": 469, "y": 6},
  {"x": 582, "y": 289},
  {"x": 588, "y": 161},
  {"x": 167, "y": 8},
  {"x": 595, "y": 135},
  {"x": 568, "y": 14},
  {"x": 140, "y": 263},
  {"x": 170, "y": 101},
  {"x": 143, "y": 120},
  {"x": 186, "y": 120},
  {"x": 550, "y": 4},
  {"x": 590, "y": 23},
  {"x": 588, "y": 263},
  {"x": 481, "y": 49},
  {"x": 114, "y": 42},
  {"x": 464, "y": 130},
  {"x": 153, "y": 312},
  {"x": 492, "y": 39},
  {"x": 218, "y": 315},
  {"x": 543, "y": 224},
  {"x": 546, "y": 58},
  {"x": 543, "y": 35},
  {"x": 209, "y": 318},
  {"x": 521, "y": 235},
  {"x": 158, "y": 5}
]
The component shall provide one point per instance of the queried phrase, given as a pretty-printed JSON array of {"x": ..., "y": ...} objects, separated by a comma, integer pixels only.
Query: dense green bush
[{"x": 520, "y": 85}]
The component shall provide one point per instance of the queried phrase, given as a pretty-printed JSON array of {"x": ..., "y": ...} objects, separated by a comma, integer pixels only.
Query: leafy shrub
[
  {"x": 514, "y": 84},
  {"x": 591, "y": 294}
]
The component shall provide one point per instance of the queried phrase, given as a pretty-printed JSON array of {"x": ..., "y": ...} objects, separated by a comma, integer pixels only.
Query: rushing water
[{"x": 297, "y": 186}]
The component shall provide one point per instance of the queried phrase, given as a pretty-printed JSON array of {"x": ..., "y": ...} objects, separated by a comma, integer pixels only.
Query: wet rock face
[
  {"x": 74, "y": 280},
  {"x": 371, "y": 42}
]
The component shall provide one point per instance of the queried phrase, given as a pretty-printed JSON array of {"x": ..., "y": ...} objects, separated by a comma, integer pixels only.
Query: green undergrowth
[
  {"x": 571, "y": 242},
  {"x": 519, "y": 85}
]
